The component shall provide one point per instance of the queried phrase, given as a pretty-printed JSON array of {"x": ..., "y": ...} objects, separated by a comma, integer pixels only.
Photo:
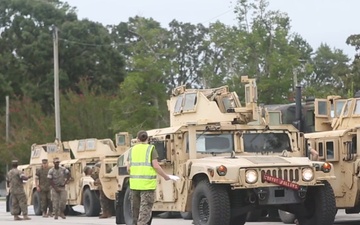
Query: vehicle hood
[{"x": 253, "y": 161}]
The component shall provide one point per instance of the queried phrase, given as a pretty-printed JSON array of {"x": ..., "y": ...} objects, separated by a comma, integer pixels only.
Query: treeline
[{"x": 118, "y": 77}]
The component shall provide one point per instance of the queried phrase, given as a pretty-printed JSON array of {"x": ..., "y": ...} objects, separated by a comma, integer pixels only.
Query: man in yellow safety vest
[{"x": 143, "y": 168}]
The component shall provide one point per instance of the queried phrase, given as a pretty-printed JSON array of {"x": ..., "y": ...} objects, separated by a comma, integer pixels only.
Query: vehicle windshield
[
  {"x": 266, "y": 142},
  {"x": 214, "y": 143}
]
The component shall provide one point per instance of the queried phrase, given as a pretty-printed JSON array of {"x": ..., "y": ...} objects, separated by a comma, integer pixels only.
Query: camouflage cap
[
  {"x": 56, "y": 159},
  {"x": 44, "y": 160}
]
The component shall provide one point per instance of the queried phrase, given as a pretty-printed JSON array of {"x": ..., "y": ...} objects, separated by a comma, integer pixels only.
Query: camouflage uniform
[
  {"x": 45, "y": 194},
  {"x": 58, "y": 192},
  {"x": 105, "y": 203},
  {"x": 18, "y": 197},
  {"x": 142, "y": 201}
]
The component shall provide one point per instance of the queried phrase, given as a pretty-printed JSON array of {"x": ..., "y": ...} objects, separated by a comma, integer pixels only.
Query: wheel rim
[{"x": 204, "y": 211}]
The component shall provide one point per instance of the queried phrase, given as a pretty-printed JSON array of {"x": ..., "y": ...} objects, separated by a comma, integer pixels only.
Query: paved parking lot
[{"x": 6, "y": 218}]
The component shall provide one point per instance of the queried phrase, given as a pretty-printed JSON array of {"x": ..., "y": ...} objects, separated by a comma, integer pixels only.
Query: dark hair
[{"x": 142, "y": 135}]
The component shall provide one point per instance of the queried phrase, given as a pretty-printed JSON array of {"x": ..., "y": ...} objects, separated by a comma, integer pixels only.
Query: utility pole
[
  {"x": 56, "y": 84},
  {"x": 7, "y": 119}
]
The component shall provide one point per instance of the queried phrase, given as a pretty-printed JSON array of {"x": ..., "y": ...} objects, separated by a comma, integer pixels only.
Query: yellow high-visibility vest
[{"x": 142, "y": 174}]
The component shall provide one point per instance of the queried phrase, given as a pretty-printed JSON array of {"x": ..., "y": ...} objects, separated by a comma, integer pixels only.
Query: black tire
[
  {"x": 8, "y": 203},
  {"x": 320, "y": 205},
  {"x": 112, "y": 210},
  {"x": 286, "y": 217},
  {"x": 119, "y": 209},
  {"x": 186, "y": 215},
  {"x": 91, "y": 203},
  {"x": 127, "y": 209},
  {"x": 210, "y": 204},
  {"x": 36, "y": 203}
]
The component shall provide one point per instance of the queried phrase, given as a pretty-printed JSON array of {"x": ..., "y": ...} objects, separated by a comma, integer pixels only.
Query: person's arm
[
  {"x": 159, "y": 170},
  {"x": 23, "y": 176},
  {"x": 7, "y": 180},
  {"x": 128, "y": 162},
  {"x": 37, "y": 182},
  {"x": 68, "y": 176},
  {"x": 315, "y": 154}
]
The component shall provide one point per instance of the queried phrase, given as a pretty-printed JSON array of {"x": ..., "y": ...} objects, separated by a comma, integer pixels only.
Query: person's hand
[
  {"x": 38, "y": 189},
  {"x": 173, "y": 177},
  {"x": 57, "y": 190}
]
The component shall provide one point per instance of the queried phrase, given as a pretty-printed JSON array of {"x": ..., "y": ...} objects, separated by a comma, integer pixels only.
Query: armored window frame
[
  {"x": 322, "y": 108},
  {"x": 357, "y": 107},
  {"x": 190, "y": 101},
  {"x": 332, "y": 151},
  {"x": 320, "y": 149},
  {"x": 347, "y": 109},
  {"x": 51, "y": 148},
  {"x": 81, "y": 146},
  {"x": 339, "y": 105},
  {"x": 178, "y": 104}
]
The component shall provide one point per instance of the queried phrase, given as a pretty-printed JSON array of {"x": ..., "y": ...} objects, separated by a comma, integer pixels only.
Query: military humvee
[
  {"x": 87, "y": 152},
  {"x": 75, "y": 155},
  {"x": 231, "y": 162},
  {"x": 338, "y": 141}
]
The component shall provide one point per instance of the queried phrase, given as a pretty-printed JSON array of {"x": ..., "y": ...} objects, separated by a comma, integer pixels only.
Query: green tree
[
  {"x": 354, "y": 76},
  {"x": 85, "y": 50},
  {"x": 86, "y": 115},
  {"x": 331, "y": 72},
  {"x": 142, "y": 97},
  {"x": 269, "y": 51}
]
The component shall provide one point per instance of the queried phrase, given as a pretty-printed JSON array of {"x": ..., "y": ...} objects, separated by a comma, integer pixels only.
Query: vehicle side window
[
  {"x": 330, "y": 150},
  {"x": 321, "y": 149},
  {"x": 322, "y": 107},
  {"x": 178, "y": 104},
  {"x": 357, "y": 107},
  {"x": 190, "y": 101}
]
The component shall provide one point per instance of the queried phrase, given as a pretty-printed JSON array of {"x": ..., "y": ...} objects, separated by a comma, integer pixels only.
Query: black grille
[{"x": 288, "y": 174}]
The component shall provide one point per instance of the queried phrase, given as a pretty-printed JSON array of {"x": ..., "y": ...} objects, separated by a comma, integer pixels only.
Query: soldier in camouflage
[
  {"x": 143, "y": 167},
  {"x": 59, "y": 177},
  {"x": 43, "y": 187},
  {"x": 105, "y": 203},
  {"x": 15, "y": 180}
]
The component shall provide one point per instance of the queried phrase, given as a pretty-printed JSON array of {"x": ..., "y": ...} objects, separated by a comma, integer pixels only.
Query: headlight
[
  {"x": 251, "y": 176},
  {"x": 307, "y": 174}
]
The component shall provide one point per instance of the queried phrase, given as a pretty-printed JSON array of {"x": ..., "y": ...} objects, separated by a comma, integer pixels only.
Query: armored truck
[
  {"x": 82, "y": 189},
  {"x": 338, "y": 141},
  {"x": 231, "y": 161},
  {"x": 75, "y": 155}
]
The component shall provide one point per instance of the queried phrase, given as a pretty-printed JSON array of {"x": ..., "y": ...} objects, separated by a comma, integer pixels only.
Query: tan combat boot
[
  {"x": 16, "y": 217},
  {"x": 62, "y": 215},
  {"x": 45, "y": 215},
  {"x": 26, "y": 217},
  {"x": 104, "y": 215}
]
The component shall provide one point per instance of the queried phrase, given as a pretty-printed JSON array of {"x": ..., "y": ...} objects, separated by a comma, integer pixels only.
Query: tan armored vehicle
[
  {"x": 81, "y": 188},
  {"x": 38, "y": 152},
  {"x": 229, "y": 167},
  {"x": 338, "y": 141},
  {"x": 75, "y": 155}
]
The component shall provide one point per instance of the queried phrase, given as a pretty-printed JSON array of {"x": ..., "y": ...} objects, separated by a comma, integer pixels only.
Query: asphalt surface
[{"x": 6, "y": 218}]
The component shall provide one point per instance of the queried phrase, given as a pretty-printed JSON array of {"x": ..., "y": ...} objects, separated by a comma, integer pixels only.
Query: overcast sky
[{"x": 317, "y": 21}]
